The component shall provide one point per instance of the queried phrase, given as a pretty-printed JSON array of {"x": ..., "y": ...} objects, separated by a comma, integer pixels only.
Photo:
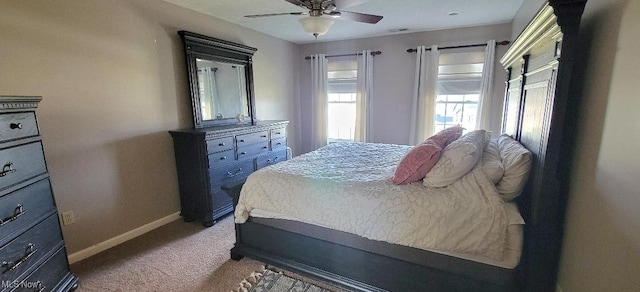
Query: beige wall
[
  {"x": 394, "y": 75},
  {"x": 113, "y": 82},
  {"x": 601, "y": 246}
]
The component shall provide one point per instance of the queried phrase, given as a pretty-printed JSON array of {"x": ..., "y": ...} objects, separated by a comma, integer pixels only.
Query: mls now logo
[{"x": 23, "y": 284}]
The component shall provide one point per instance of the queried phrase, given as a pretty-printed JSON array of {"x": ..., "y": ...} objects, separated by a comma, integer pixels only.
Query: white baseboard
[{"x": 109, "y": 243}]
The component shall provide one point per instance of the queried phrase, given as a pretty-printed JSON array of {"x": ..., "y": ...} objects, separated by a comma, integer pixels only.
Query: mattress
[
  {"x": 511, "y": 258},
  {"x": 347, "y": 187}
]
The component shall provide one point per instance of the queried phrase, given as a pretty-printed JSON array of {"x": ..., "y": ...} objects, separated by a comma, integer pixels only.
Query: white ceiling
[{"x": 415, "y": 15}]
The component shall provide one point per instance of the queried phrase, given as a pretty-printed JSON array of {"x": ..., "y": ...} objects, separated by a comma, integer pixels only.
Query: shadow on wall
[
  {"x": 117, "y": 187},
  {"x": 591, "y": 83},
  {"x": 594, "y": 243},
  {"x": 182, "y": 94},
  {"x": 147, "y": 176}
]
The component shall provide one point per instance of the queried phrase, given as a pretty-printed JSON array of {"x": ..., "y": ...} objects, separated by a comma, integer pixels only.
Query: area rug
[{"x": 276, "y": 281}]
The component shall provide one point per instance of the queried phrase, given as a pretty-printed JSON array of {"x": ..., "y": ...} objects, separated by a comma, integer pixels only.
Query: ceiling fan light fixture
[{"x": 316, "y": 25}]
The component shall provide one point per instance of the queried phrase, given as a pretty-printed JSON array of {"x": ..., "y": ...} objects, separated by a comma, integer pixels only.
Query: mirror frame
[{"x": 205, "y": 47}]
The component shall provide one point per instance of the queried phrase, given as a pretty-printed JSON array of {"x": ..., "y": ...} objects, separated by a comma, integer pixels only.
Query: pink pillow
[
  {"x": 450, "y": 134},
  {"x": 418, "y": 161}
]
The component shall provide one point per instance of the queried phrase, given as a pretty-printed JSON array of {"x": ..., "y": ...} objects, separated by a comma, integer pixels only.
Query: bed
[{"x": 537, "y": 111}]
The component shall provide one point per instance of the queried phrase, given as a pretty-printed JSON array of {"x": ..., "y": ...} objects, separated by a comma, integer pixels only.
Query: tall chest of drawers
[
  {"x": 210, "y": 159},
  {"x": 32, "y": 251}
]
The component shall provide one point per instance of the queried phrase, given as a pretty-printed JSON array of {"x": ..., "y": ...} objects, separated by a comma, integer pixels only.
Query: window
[
  {"x": 341, "y": 97},
  {"x": 458, "y": 93},
  {"x": 459, "y": 109}
]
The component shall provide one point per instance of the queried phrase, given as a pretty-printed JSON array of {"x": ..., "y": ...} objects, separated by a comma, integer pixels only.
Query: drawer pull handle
[
  {"x": 269, "y": 161},
  {"x": 41, "y": 287},
  {"x": 221, "y": 144},
  {"x": 264, "y": 147},
  {"x": 278, "y": 143},
  {"x": 243, "y": 153},
  {"x": 229, "y": 174},
  {"x": 241, "y": 140},
  {"x": 7, "y": 169},
  {"x": 17, "y": 212},
  {"x": 15, "y": 126},
  {"x": 223, "y": 158},
  {"x": 263, "y": 136},
  {"x": 10, "y": 266},
  {"x": 278, "y": 133}
]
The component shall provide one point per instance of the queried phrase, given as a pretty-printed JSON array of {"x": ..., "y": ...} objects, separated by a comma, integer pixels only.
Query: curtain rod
[
  {"x": 345, "y": 55},
  {"x": 502, "y": 43}
]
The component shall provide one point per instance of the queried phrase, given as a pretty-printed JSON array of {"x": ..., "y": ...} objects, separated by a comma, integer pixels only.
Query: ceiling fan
[{"x": 316, "y": 24}]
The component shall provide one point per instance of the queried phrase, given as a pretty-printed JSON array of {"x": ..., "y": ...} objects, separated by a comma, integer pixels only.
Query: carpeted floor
[{"x": 179, "y": 256}]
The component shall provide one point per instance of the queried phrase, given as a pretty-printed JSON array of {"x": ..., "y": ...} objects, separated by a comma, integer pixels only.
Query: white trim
[{"x": 109, "y": 243}]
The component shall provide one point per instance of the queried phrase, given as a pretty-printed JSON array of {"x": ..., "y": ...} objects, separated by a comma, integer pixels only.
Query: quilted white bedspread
[{"x": 347, "y": 187}]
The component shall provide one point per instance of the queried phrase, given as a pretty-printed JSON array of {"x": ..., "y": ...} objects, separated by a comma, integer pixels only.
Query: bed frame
[{"x": 538, "y": 113}]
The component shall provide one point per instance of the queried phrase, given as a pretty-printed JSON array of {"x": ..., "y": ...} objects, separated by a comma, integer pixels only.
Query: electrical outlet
[{"x": 68, "y": 218}]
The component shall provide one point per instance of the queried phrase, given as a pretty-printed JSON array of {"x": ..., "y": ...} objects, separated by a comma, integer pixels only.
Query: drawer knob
[
  {"x": 241, "y": 140},
  {"x": 223, "y": 158},
  {"x": 229, "y": 174},
  {"x": 15, "y": 125},
  {"x": 10, "y": 266},
  {"x": 221, "y": 144},
  {"x": 7, "y": 169},
  {"x": 278, "y": 133},
  {"x": 17, "y": 212},
  {"x": 243, "y": 153},
  {"x": 264, "y": 147},
  {"x": 271, "y": 161},
  {"x": 263, "y": 136}
]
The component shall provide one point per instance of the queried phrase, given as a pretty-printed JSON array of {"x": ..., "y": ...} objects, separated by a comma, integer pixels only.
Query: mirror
[
  {"x": 220, "y": 79},
  {"x": 222, "y": 89}
]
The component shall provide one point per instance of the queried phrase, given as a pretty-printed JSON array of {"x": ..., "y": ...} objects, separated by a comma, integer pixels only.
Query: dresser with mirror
[{"x": 226, "y": 143}]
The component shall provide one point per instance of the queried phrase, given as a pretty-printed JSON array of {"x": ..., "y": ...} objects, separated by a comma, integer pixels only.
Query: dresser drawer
[
  {"x": 248, "y": 139},
  {"x": 278, "y": 144},
  {"x": 271, "y": 158},
  {"x": 17, "y": 125},
  {"x": 29, "y": 248},
  {"x": 23, "y": 207},
  {"x": 21, "y": 163},
  {"x": 252, "y": 150},
  {"x": 47, "y": 276},
  {"x": 278, "y": 133},
  {"x": 221, "y": 157},
  {"x": 220, "y": 144},
  {"x": 229, "y": 173}
]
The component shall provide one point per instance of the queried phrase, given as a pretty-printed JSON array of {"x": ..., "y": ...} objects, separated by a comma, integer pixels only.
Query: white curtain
[
  {"x": 483, "y": 120},
  {"x": 209, "y": 93},
  {"x": 242, "y": 106},
  {"x": 424, "y": 94},
  {"x": 364, "y": 95},
  {"x": 319, "y": 82}
]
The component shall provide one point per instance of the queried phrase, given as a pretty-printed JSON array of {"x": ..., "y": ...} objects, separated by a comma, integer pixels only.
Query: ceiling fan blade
[
  {"x": 273, "y": 14},
  {"x": 361, "y": 17},
  {"x": 342, "y": 4}
]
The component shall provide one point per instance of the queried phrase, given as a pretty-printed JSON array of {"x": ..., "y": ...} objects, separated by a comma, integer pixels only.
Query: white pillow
[
  {"x": 457, "y": 159},
  {"x": 491, "y": 162},
  {"x": 517, "y": 162}
]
